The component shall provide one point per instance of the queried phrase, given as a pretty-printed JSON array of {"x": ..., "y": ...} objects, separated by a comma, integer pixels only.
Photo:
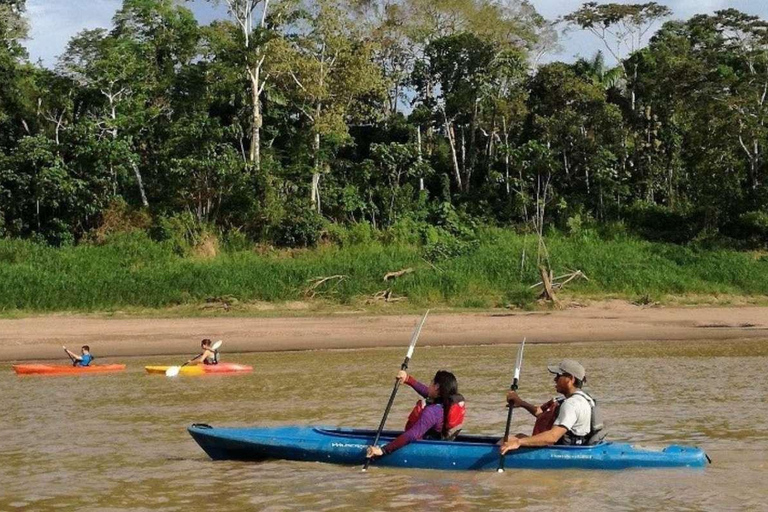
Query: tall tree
[
  {"x": 334, "y": 80},
  {"x": 622, "y": 28},
  {"x": 13, "y": 29},
  {"x": 112, "y": 67},
  {"x": 252, "y": 16}
]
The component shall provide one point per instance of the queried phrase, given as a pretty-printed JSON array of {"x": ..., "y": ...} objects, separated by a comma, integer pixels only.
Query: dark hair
[
  {"x": 447, "y": 386},
  {"x": 206, "y": 342},
  {"x": 85, "y": 347},
  {"x": 577, "y": 383}
]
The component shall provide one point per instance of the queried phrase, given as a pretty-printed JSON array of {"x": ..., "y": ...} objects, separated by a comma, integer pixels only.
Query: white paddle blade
[
  {"x": 172, "y": 371},
  {"x": 217, "y": 345},
  {"x": 416, "y": 334},
  {"x": 519, "y": 362}
]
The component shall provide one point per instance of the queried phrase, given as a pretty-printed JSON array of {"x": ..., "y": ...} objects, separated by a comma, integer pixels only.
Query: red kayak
[{"x": 53, "y": 369}]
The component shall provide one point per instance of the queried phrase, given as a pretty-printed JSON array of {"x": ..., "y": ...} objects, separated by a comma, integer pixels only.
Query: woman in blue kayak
[
  {"x": 439, "y": 416},
  {"x": 84, "y": 359}
]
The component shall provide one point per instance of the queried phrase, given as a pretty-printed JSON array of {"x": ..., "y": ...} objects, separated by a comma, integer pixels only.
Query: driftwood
[
  {"x": 311, "y": 290},
  {"x": 546, "y": 280},
  {"x": 224, "y": 302},
  {"x": 395, "y": 275},
  {"x": 578, "y": 274},
  {"x": 386, "y": 296}
]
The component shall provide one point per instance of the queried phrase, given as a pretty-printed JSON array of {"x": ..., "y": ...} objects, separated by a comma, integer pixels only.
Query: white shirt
[{"x": 575, "y": 414}]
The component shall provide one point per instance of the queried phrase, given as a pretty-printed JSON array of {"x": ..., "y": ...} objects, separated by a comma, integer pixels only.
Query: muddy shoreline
[{"x": 40, "y": 338}]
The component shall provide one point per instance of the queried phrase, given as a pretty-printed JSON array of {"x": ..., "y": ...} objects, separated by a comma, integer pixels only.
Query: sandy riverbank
[{"x": 41, "y": 337}]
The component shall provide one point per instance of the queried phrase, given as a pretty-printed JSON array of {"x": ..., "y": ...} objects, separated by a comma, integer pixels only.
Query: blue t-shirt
[{"x": 85, "y": 360}]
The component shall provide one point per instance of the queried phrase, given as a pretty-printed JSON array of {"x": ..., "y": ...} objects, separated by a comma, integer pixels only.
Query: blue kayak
[{"x": 475, "y": 453}]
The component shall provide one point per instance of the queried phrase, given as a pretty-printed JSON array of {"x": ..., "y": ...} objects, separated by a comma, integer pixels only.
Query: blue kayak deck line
[{"x": 467, "y": 452}]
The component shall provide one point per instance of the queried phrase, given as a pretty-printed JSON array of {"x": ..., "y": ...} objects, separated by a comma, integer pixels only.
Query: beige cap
[{"x": 570, "y": 367}]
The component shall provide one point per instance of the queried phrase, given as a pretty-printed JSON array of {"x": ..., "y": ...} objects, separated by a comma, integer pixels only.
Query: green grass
[{"x": 134, "y": 272}]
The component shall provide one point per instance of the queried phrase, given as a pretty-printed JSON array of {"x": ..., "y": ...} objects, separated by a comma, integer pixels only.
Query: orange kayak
[{"x": 53, "y": 369}]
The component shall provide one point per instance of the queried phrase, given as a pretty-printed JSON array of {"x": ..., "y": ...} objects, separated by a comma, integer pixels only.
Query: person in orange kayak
[
  {"x": 84, "y": 359},
  {"x": 208, "y": 355},
  {"x": 439, "y": 416},
  {"x": 572, "y": 420}
]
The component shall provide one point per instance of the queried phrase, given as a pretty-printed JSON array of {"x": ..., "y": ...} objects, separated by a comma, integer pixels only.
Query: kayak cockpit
[{"x": 460, "y": 439}]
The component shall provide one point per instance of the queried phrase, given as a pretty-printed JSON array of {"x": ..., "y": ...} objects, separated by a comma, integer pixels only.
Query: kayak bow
[{"x": 475, "y": 453}]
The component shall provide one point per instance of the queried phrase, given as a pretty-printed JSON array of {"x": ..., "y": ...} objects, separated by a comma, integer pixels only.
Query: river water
[{"x": 118, "y": 441}]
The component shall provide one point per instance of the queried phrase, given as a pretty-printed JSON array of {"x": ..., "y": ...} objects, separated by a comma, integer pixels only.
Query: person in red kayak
[
  {"x": 439, "y": 416},
  {"x": 84, "y": 359},
  {"x": 208, "y": 355},
  {"x": 572, "y": 420}
]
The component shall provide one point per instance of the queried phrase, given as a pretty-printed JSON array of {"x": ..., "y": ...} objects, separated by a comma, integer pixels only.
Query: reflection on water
[{"x": 118, "y": 441}]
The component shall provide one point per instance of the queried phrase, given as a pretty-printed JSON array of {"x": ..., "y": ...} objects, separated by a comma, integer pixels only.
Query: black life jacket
[{"x": 215, "y": 359}]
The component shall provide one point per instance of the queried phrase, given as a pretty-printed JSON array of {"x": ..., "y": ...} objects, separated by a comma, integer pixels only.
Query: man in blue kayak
[
  {"x": 84, "y": 359},
  {"x": 572, "y": 420}
]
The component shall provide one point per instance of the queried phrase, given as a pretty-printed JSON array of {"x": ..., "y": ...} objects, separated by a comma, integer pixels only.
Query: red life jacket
[
  {"x": 456, "y": 415},
  {"x": 546, "y": 419}
]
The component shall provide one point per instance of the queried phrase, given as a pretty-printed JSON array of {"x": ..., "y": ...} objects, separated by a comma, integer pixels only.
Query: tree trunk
[
  {"x": 632, "y": 93},
  {"x": 464, "y": 155},
  {"x": 113, "y": 114},
  {"x": 753, "y": 155},
  {"x": 418, "y": 142},
  {"x": 489, "y": 147},
  {"x": 140, "y": 182},
  {"x": 315, "y": 192},
  {"x": 255, "y": 150},
  {"x": 506, "y": 153},
  {"x": 472, "y": 156},
  {"x": 452, "y": 141}
]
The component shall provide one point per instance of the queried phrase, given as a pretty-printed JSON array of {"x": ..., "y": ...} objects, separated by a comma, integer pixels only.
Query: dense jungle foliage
[{"x": 290, "y": 117}]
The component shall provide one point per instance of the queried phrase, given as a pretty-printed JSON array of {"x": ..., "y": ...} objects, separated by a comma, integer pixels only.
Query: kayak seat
[
  {"x": 453, "y": 435},
  {"x": 434, "y": 436}
]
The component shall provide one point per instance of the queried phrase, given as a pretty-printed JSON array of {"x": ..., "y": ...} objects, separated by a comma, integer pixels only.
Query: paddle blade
[
  {"x": 415, "y": 336},
  {"x": 172, "y": 371},
  {"x": 519, "y": 362},
  {"x": 217, "y": 345}
]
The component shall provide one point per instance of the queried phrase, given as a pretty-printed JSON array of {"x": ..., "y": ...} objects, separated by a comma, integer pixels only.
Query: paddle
[
  {"x": 403, "y": 367},
  {"x": 74, "y": 361},
  {"x": 174, "y": 370},
  {"x": 513, "y": 387}
]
